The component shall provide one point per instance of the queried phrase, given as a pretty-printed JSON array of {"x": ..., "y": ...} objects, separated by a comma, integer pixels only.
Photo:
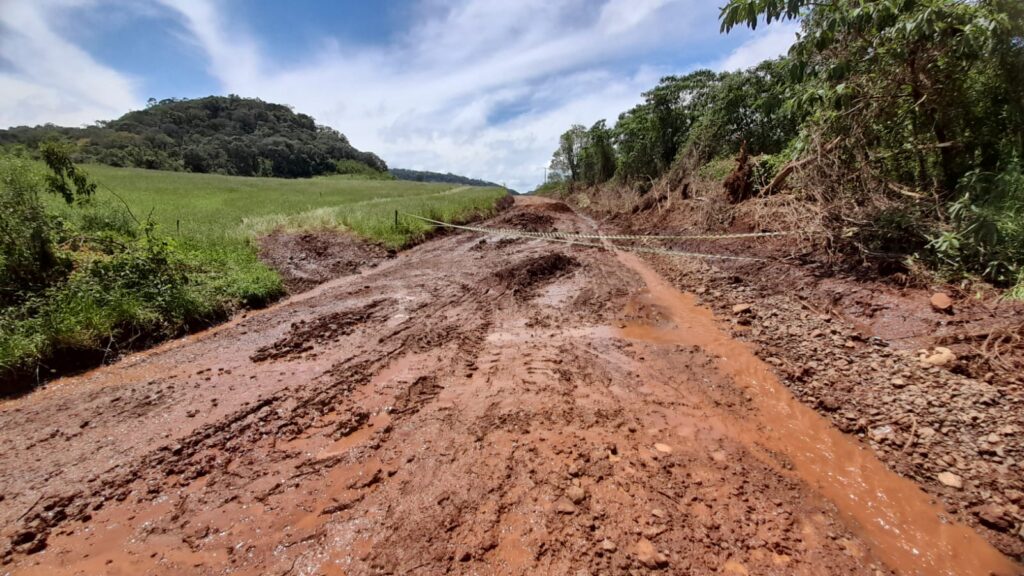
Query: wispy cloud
[
  {"x": 431, "y": 99},
  {"x": 478, "y": 87},
  {"x": 49, "y": 79},
  {"x": 775, "y": 42}
]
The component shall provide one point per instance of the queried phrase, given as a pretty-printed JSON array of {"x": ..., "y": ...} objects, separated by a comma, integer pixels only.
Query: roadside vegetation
[
  {"x": 100, "y": 260},
  {"x": 893, "y": 132}
]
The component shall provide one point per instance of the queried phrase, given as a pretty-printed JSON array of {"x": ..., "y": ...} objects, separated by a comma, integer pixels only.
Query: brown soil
[
  {"x": 467, "y": 407},
  {"x": 308, "y": 259},
  {"x": 852, "y": 348},
  {"x": 528, "y": 220}
]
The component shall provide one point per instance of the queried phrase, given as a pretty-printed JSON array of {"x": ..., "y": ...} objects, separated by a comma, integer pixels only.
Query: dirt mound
[
  {"x": 527, "y": 222},
  {"x": 522, "y": 278},
  {"x": 498, "y": 244},
  {"x": 308, "y": 259},
  {"x": 553, "y": 207}
]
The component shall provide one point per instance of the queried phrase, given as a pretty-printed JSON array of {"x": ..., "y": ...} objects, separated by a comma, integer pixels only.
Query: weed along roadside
[{"x": 148, "y": 255}]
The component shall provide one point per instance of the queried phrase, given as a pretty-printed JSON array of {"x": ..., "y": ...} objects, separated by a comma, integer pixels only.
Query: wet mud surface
[
  {"x": 308, "y": 259},
  {"x": 471, "y": 406},
  {"x": 858, "y": 351}
]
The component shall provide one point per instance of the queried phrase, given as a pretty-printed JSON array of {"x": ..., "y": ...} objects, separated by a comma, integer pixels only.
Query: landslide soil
[
  {"x": 308, "y": 259},
  {"x": 851, "y": 346},
  {"x": 471, "y": 406}
]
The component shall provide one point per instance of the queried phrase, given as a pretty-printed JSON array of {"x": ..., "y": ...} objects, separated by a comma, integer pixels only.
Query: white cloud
[
  {"x": 436, "y": 98},
  {"x": 477, "y": 87},
  {"x": 771, "y": 44},
  {"x": 50, "y": 79}
]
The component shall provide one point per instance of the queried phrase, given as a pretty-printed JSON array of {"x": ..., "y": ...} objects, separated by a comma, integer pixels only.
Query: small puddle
[{"x": 893, "y": 515}]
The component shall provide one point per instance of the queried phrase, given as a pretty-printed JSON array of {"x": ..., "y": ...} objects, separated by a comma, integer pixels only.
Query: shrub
[
  {"x": 28, "y": 260},
  {"x": 717, "y": 169},
  {"x": 354, "y": 168},
  {"x": 85, "y": 282},
  {"x": 985, "y": 235}
]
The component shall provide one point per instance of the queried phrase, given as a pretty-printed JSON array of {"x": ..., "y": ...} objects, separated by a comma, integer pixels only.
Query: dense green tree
[
  {"x": 923, "y": 100},
  {"x": 917, "y": 105},
  {"x": 426, "y": 176},
  {"x": 746, "y": 106},
  {"x": 929, "y": 87},
  {"x": 597, "y": 157},
  {"x": 565, "y": 164}
]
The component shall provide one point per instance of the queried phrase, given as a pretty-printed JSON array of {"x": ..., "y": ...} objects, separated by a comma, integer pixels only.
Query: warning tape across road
[
  {"x": 579, "y": 239},
  {"x": 577, "y": 236}
]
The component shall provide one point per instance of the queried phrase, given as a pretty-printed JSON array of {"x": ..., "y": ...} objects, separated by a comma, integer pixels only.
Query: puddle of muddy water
[{"x": 892, "y": 514}]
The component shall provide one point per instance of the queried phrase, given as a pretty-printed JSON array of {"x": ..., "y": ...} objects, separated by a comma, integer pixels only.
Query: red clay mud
[
  {"x": 852, "y": 349},
  {"x": 308, "y": 259},
  {"x": 467, "y": 407}
]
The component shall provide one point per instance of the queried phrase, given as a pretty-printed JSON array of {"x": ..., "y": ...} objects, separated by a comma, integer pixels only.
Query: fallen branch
[
  {"x": 913, "y": 434},
  {"x": 30, "y": 508},
  {"x": 780, "y": 179}
]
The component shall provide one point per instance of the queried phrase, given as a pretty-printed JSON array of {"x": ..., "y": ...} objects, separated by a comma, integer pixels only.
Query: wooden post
[{"x": 396, "y": 219}]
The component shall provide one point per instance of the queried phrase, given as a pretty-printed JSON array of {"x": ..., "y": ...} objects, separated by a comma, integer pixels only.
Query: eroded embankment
[{"x": 470, "y": 406}]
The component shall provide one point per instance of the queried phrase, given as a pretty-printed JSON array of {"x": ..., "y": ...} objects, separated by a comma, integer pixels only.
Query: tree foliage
[
  {"x": 924, "y": 90},
  {"x": 584, "y": 155},
  {"x": 924, "y": 101},
  {"x": 28, "y": 260},
  {"x": 750, "y": 12},
  {"x": 705, "y": 114},
  {"x": 225, "y": 135},
  {"x": 917, "y": 104},
  {"x": 65, "y": 179}
]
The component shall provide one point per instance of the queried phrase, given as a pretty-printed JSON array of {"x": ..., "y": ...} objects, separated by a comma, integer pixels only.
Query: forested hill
[
  {"x": 218, "y": 134},
  {"x": 426, "y": 176}
]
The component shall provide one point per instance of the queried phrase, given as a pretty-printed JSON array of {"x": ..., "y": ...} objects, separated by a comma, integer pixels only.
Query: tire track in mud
[{"x": 468, "y": 407}]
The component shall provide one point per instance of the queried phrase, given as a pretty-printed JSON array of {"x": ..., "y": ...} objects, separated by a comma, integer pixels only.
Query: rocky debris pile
[{"x": 962, "y": 438}]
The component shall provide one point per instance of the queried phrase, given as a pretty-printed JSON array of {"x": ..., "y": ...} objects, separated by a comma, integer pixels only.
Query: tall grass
[{"x": 375, "y": 219}]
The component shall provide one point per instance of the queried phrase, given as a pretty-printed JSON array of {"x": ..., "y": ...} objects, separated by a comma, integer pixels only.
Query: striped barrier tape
[
  {"x": 577, "y": 236},
  {"x": 575, "y": 239}
]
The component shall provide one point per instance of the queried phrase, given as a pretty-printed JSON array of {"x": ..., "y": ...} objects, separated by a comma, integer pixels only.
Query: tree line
[{"x": 427, "y": 176}]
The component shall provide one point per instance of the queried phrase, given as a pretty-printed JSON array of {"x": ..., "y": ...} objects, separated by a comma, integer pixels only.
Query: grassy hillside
[{"x": 197, "y": 262}]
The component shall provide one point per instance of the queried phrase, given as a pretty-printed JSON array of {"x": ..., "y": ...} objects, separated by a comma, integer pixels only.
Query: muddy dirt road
[{"x": 472, "y": 406}]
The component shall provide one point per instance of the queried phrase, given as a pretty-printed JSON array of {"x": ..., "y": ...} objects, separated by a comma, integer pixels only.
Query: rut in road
[{"x": 474, "y": 406}]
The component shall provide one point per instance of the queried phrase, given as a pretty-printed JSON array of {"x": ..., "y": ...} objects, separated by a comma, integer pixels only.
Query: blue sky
[{"x": 477, "y": 87}]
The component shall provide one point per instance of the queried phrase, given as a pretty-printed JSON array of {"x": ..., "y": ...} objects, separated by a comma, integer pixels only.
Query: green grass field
[
  {"x": 212, "y": 223},
  {"x": 212, "y": 208},
  {"x": 214, "y": 219}
]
